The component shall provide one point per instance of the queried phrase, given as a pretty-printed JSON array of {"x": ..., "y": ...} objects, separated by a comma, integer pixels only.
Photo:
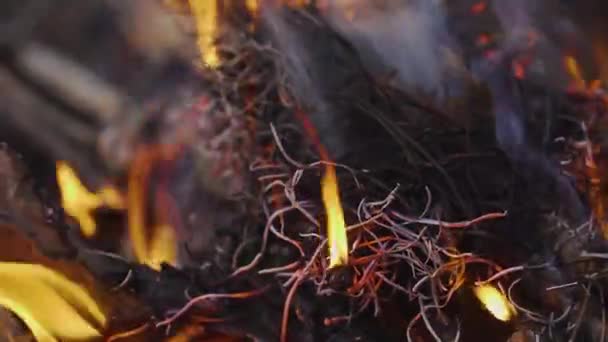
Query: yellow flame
[
  {"x": 338, "y": 242},
  {"x": 206, "y": 16},
  {"x": 574, "y": 71},
  {"x": 53, "y": 307},
  {"x": 252, "y": 6},
  {"x": 79, "y": 202},
  {"x": 495, "y": 302},
  {"x": 162, "y": 247}
]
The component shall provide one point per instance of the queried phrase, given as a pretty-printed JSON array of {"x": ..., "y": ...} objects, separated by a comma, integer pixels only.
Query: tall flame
[
  {"x": 156, "y": 244},
  {"x": 338, "y": 241},
  {"x": 495, "y": 302},
  {"x": 53, "y": 307},
  {"x": 206, "y": 16},
  {"x": 79, "y": 203}
]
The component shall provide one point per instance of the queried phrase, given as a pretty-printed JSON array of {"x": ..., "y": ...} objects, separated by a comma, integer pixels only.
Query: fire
[
  {"x": 162, "y": 247},
  {"x": 252, "y": 6},
  {"x": 152, "y": 244},
  {"x": 574, "y": 71},
  {"x": 495, "y": 302},
  {"x": 206, "y": 16},
  {"x": 79, "y": 203},
  {"x": 53, "y": 307},
  {"x": 338, "y": 242}
]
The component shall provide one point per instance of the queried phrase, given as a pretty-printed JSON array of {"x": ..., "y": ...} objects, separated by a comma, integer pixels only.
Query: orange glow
[
  {"x": 206, "y": 15},
  {"x": 495, "y": 302},
  {"x": 79, "y": 202},
  {"x": 53, "y": 307},
  {"x": 519, "y": 70},
  {"x": 483, "y": 39},
  {"x": 338, "y": 242}
]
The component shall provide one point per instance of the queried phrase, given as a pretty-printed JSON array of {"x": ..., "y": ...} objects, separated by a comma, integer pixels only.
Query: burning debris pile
[{"x": 325, "y": 171}]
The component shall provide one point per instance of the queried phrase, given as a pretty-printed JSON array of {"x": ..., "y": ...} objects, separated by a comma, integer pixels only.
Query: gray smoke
[{"x": 409, "y": 38}]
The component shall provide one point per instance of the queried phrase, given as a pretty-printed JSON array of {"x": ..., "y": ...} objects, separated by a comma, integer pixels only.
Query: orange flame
[
  {"x": 338, "y": 241},
  {"x": 206, "y": 15},
  {"x": 495, "y": 302},
  {"x": 151, "y": 245},
  {"x": 79, "y": 203}
]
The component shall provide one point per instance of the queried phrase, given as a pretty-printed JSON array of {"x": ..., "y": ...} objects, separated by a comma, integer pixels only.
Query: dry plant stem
[
  {"x": 260, "y": 254},
  {"x": 129, "y": 333},
  {"x": 427, "y": 323},
  {"x": 287, "y": 267},
  {"x": 292, "y": 291},
  {"x": 510, "y": 270},
  {"x": 410, "y": 326},
  {"x": 205, "y": 297},
  {"x": 501, "y": 274},
  {"x": 531, "y": 315},
  {"x": 581, "y": 314},
  {"x": 239, "y": 250},
  {"x": 282, "y": 149},
  {"x": 563, "y": 286},
  {"x": 124, "y": 281},
  {"x": 443, "y": 224}
]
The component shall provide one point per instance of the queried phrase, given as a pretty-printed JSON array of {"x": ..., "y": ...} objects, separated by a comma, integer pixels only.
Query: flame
[
  {"x": 151, "y": 245},
  {"x": 79, "y": 203},
  {"x": 338, "y": 242},
  {"x": 495, "y": 302},
  {"x": 206, "y": 16},
  {"x": 574, "y": 71},
  {"x": 53, "y": 307},
  {"x": 252, "y": 6},
  {"x": 162, "y": 247}
]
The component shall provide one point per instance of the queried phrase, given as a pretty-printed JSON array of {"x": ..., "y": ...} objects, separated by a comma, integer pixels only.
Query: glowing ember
[
  {"x": 338, "y": 242},
  {"x": 206, "y": 16},
  {"x": 519, "y": 70},
  {"x": 79, "y": 203},
  {"x": 53, "y": 307},
  {"x": 479, "y": 7},
  {"x": 495, "y": 302},
  {"x": 483, "y": 39}
]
